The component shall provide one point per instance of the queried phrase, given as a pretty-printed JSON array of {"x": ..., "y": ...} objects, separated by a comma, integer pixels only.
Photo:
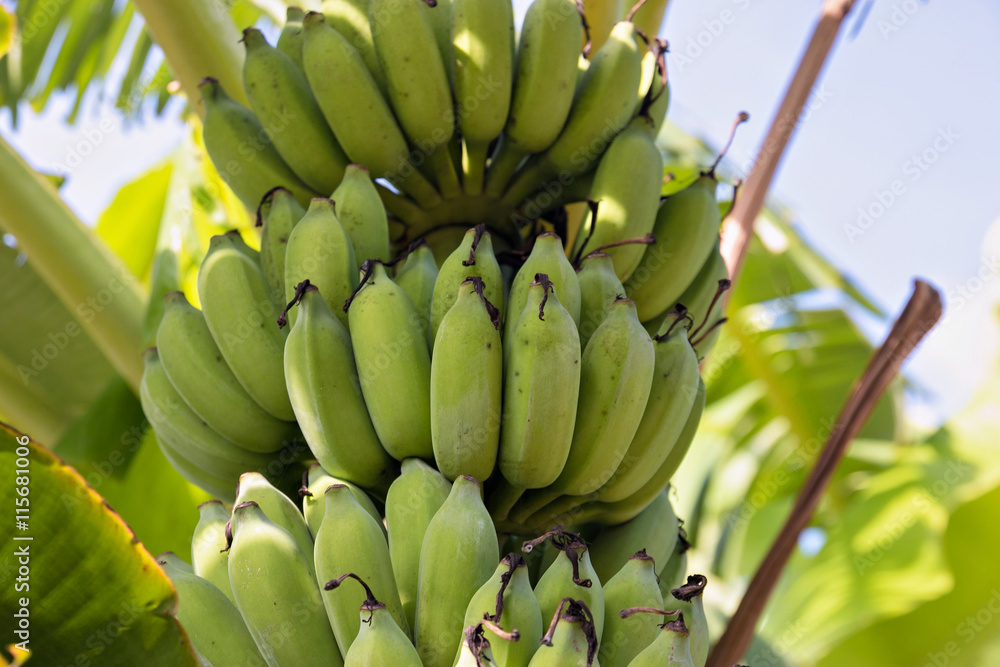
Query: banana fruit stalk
[
  {"x": 284, "y": 613},
  {"x": 467, "y": 385}
]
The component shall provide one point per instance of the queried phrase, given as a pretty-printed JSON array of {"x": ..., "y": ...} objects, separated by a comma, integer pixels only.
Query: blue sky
[{"x": 890, "y": 175}]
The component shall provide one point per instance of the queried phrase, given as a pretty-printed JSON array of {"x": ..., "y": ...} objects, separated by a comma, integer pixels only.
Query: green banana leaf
[
  {"x": 93, "y": 593},
  {"x": 78, "y": 46}
]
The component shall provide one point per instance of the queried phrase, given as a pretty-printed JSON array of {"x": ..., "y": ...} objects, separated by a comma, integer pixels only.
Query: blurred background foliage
[{"x": 898, "y": 566}]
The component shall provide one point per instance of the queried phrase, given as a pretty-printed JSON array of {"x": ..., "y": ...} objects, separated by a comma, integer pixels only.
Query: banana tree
[{"x": 87, "y": 301}]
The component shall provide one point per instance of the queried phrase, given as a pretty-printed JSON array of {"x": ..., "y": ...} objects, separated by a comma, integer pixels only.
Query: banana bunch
[{"x": 273, "y": 584}]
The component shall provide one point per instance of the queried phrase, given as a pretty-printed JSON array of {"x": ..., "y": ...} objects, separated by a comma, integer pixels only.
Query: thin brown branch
[
  {"x": 737, "y": 228},
  {"x": 922, "y": 312}
]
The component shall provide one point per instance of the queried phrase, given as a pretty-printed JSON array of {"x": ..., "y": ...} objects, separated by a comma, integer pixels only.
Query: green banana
[
  {"x": 687, "y": 227},
  {"x": 615, "y": 378},
  {"x": 599, "y": 289},
  {"x": 412, "y": 501},
  {"x": 508, "y": 601},
  {"x": 482, "y": 37},
  {"x": 316, "y": 481},
  {"x": 439, "y": 14},
  {"x": 571, "y": 640},
  {"x": 467, "y": 385},
  {"x": 284, "y": 613},
  {"x": 198, "y": 372},
  {"x": 654, "y": 530},
  {"x": 603, "y": 106},
  {"x": 213, "y": 624},
  {"x": 602, "y": 15},
  {"x": 633, "y": 586},
  {"x": 541, "y": 389},
  {"x": 417, "y": 276},
  {"x": 240, "y": 314},
  {"x": 279, "y": 94},
  {"x": 671, "y": 648},
  {"x": 360, "y": 210},
  {"x": 571, "y": 574},
  {"x": 277, "y": 506},
  {"x": 350, "y": 540},
  {"x": 654, "y": 92},
  {"x": 380, "y": 642},
  {"x": 456, "y": 558},
  {"x": 672, "y": 394},
  {"x": 351, "y": 101},
  {"x": 394, "y": 366},
  {"x": 320, "y": 251},
  {"x": 548, "y": 51},
  {"x": 415, "y": 72},
  {"x": 277, "y": 214},
  {"x": 472, "y": 258},
  {"x": 350, "y": 19},
  {"x": 179, "y": 427},
  {"x": 626, "y": 187},
  {"x": 209, "y": 557},
  {"x": 649, "y": 16},
  {"x": 320, "y": 374},
  {"x": 241, "y": 150},
  {"x": 673, "y": 573},
  {"x": 547, "y": 256},
  {"x": 700, "y": 295},
  {"x": 623, "y": 510},
  {"x": 290, "y": 40},
  {"x": 690, "y": 597},
  {"x": 207, "y": 481}
]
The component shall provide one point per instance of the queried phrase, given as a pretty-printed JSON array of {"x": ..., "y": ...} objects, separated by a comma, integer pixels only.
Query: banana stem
[
  {"x": 199, "y": 39},
  {"x": 473, "y": 166},
  {"x": 737, "y": 228},
  {"x": 443, "y": 167},
  {"x": 531, "y": 504},
  {"x": 921, "y": 313},
  {"x": 505, "y": 161},
  {"x": 417, "y": 186},
  {"x": 400, "y": 207},
  {"x": 84, "y": 274}
]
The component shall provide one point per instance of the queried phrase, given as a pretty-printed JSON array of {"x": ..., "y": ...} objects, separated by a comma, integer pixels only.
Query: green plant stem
[
  {"x": 84, "y": 274},
  {"x": 199, "y": 39}
]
